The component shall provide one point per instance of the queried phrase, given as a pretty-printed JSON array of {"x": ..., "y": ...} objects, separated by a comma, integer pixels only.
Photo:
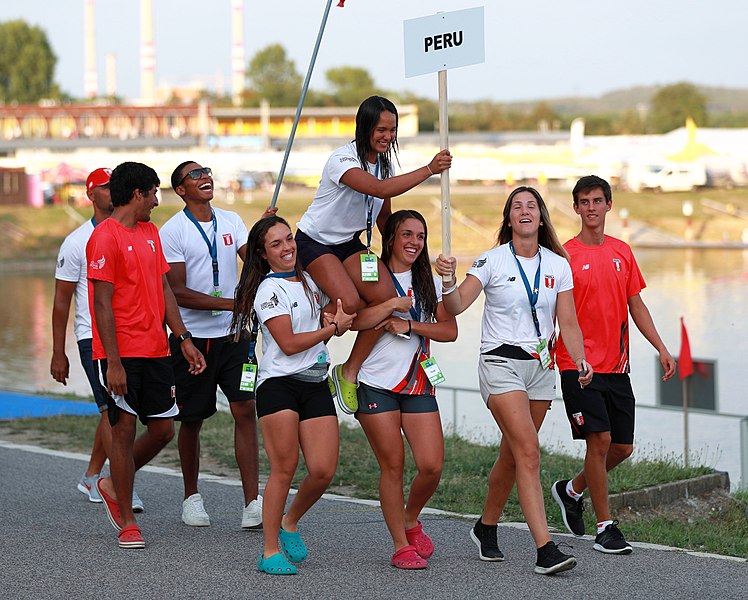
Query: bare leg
[
  {"x": 512, "y": 413},
  {"x": 424, "y": 434},
  {"x": 386, "y": 440},
  {"x": 280, "y": 436},
  {"x": 159, "y": 433},
  {"x": 246, "y": 447},
  {"x": 320, "y": 443},
  {"x": 188, "y": 443},
  {"x": 122, "y": 466},
  {"x": 502, "y": 477},
  {"x": 102, "y": 445}
]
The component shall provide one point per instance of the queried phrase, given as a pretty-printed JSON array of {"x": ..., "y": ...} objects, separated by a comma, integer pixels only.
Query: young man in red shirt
[
  {"x": 607, "y": 286},
  {"x": 130, "y": 301}
]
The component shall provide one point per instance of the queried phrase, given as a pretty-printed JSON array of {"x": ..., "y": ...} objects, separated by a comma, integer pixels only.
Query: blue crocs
[
  {"x": 275, "y": 565},
  {"x": 293, "y": 546}
]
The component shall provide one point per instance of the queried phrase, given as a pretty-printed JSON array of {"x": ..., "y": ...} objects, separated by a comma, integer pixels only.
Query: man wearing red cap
[{"x": 71, "y": 280}]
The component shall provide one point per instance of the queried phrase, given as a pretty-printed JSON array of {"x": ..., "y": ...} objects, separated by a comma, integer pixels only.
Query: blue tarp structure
[{"x": 14, "y": 406}]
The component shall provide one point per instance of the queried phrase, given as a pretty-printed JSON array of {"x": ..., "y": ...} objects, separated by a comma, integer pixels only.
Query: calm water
[{"x": 708, "y": 288}]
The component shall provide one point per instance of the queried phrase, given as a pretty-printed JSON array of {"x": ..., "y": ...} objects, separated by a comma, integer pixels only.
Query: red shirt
[
  {"x": 131, "y": 260},
  {"x": 605, "y": 277}
]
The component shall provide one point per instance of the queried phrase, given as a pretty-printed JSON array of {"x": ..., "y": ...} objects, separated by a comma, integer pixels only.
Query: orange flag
[{"x": 685, "y": 361}]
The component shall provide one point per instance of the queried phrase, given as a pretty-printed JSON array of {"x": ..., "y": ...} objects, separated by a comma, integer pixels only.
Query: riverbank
[{"x": 714, "y": 523}]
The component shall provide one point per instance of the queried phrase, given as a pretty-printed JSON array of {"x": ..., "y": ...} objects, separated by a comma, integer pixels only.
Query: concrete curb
[{"x": 667, "y": 493}]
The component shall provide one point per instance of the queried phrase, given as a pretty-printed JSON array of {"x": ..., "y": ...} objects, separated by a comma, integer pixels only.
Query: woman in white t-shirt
[
  {"x": 527, "y": 282},
  {"x": 355, "y": 189},
  {"x": 293, "y": 401},
  {"x": 396, "y": 395}
]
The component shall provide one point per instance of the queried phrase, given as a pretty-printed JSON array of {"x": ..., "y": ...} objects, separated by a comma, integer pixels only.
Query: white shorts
[{"x": 499, "y": 375}]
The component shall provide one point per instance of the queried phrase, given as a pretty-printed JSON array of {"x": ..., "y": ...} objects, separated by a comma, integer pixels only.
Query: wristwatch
[{"x": 185, "y": 336}]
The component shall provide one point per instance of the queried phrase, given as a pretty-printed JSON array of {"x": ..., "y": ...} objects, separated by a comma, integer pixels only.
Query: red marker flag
[
  {"x": 341, "y": 4},
  {"x": 685, "y": 361}
]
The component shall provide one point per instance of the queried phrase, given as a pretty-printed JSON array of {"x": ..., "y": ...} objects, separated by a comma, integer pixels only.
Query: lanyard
[
  {"x": 414, "y": 312},
  {"x": 370, "y": 212},
  {"x": 256, "y": 321},
  {"x": 93, "y": 222},
  {"x": 212, "y": 248},
  {"x": 532, "y": 295}
]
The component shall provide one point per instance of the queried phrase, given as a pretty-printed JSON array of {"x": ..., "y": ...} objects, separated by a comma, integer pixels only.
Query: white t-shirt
[
  {"x": 506, "y": 314},
  {"x": 392, "y": 364},
  {"x": 277, "y": 297},
  {"x": 182, "y": 243},
  {"x": 338, "y": 212},
  {"x": 72, "y": 266}
]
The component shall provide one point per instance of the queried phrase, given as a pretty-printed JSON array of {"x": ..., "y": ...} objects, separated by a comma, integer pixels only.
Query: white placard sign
[{"x": 444, "y": 41}]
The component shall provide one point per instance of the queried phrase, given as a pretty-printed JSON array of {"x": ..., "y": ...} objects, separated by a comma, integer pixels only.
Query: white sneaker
[
  {"x": 252, "y": 514},
  {"x": 193, "y": 512},
  {"x": 87, "y": 485}
]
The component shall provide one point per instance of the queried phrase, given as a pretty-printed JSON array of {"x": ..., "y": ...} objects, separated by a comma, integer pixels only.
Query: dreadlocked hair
[
  {"x": 423, "y": 280},
  {"x": 255, "y": 268}
]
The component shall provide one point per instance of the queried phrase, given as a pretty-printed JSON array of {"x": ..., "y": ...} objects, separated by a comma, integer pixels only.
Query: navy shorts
[
  {"x": 606, "y": 404},
  {"x": 151, "y": 392},
  {"x": 308, "y": 250},
  {"x": 86, "y": 353},
  {"x": 373, "y": 400},
  {"x": 196, "y": 394},
  {"x": 310, "y": 400}
]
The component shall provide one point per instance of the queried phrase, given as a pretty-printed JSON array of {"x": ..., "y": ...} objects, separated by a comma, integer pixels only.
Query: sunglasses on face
[{"x": 196, "y": 174}]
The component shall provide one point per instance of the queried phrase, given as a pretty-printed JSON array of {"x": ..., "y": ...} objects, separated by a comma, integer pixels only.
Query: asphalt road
[{"x": 56, "y": 544}]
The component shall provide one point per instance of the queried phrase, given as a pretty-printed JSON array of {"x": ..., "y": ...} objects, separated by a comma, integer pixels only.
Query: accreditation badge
[
  {"x": 543, "y": 353},
  {"x": 249, "y": 377},
  {"x": 369, "y": 267},
  {"x": 433, "y": 372},
  {"x": 217, "y": 294}
]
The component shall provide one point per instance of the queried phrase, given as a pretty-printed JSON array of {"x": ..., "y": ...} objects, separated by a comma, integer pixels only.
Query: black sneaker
[
  {"x": 551, "y": 560},
  {"x": 571, "y": 510},
  {"x": 485, "y": 538},
  {"x": 611, "y": 541}
]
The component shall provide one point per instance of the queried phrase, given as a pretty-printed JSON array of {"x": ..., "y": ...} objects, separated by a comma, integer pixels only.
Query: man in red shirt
[
  {"x": 607, "y": 286},
  {"x": 131, "y": 301}
]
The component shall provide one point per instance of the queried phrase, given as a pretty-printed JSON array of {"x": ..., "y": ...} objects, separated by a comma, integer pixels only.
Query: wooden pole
[
  {"x": 684, "y": 385},
  {"x": 444, "y": 144}
]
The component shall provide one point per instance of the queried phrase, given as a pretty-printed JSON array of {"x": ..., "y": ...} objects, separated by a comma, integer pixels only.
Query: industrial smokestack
[
  {"x": 147, "y": 53},
  {"x": 90, "y": 80},
  {"x": 238, "y": 74},
  {"x": 111, "y": 75}
]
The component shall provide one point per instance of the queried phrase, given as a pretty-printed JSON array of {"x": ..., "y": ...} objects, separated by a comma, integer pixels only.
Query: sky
[{"x": 534, "y": 48}]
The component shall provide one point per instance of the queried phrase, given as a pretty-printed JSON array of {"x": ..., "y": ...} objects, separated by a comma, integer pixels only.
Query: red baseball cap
[{"x": 97, "y": 178}]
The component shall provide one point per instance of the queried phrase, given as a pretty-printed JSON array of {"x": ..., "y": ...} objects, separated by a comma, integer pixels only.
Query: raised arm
[
  {"x": 456, "y": 299},
  {"x": 644, "y": 323},
  {"x": 366, "y": 183}
]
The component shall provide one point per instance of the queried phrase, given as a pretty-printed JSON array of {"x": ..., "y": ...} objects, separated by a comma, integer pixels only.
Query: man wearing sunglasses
[{"x": 201, "y": 244}]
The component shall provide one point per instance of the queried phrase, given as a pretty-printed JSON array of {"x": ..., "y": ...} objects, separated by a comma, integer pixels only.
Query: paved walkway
[{"x": 55, "y": 544}]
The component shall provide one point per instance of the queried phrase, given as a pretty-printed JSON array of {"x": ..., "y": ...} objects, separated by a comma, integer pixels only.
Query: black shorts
[
  {"x": 196, "y": 394},
  {"x": 150, "y": 389},
  {"x": 308, "y": 250},
  {"x": 310, "y": 400},
  {"x": 373, "y": 401},
  {"x": 86, "y": 353},
  {"x": 606, "y": 404}
]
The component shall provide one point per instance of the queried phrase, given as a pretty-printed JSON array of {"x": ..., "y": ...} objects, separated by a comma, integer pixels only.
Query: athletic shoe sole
[
  {"x": 561, "y": 505},
  {"x": 82, "y": 488},
  {"x": 480, "y": 550},
  {"x": 604, "y": 550},
  {"x": 569, "y": 563}
]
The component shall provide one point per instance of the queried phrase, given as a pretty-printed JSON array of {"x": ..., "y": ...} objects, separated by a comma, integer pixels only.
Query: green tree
[
  {"x": 273, "y": 77},
  {"x": 672, "y": 104},
  {"x": 350, "y": 85},
  {"x": 27, "y": 63}
]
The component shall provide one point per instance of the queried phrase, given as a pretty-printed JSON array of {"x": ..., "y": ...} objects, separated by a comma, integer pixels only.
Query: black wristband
[
  {"x": 334, "y": 324},
  {"x": 184, "y": 337},
  {"x": 410, "y": 327}
]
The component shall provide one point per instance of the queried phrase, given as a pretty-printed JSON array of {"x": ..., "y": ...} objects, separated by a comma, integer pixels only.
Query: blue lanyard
[
  {"x": 256, "y": 321},
  {"x": 93, "y": 222},
  {"x": 370, "y": 212},
  {"x": 212, "y": 248},
  {"x": 532, "y": 295},
  {"x": 414, "y": 312}
]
